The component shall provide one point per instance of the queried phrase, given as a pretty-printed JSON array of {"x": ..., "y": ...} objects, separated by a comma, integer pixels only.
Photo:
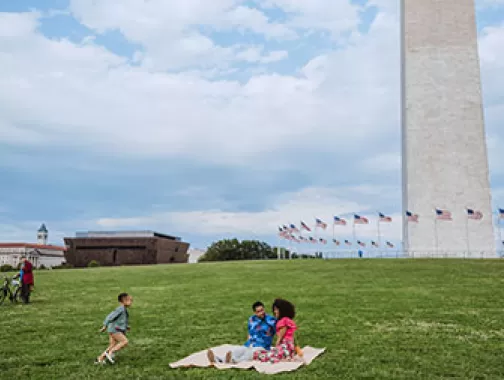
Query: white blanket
[{"x": 199, "y": 359}]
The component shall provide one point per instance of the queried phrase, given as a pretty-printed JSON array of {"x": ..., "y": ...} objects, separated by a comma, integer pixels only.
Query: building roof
[
  {"x": 42, "y": 228},
  {"x": 33, "y": 246},
  {"x": 124, "y": 234}
]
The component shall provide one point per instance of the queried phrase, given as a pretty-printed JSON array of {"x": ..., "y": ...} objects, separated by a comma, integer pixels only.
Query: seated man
[{"x": 261, "y": 329}]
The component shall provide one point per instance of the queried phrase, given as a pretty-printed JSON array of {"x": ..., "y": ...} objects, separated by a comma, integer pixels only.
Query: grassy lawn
[{"x": 379, "y": 319}]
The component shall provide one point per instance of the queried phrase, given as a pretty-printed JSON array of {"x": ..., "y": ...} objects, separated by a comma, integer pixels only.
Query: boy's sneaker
[
  {"x": 100, "y": 362},
  {"x": 110, "y": 357}
]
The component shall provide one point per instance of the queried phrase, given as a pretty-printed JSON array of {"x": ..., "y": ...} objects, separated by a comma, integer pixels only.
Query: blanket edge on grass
[{"x": 199, "y": 360}]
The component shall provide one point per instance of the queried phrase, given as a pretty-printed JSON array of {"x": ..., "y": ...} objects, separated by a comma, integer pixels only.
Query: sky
[{"x": 210, "y": 119}]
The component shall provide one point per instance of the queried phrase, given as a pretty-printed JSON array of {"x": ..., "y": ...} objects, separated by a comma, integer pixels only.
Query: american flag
[
  {"x": 384, "y": 218},
  {"x": 473, "y": 214},
  {"x": 374, "y": 244},
  {"x": 293, "y": 228},
  {"x": 285, "y": 228},
  {"x": 301, "y": 238},
  {"x": 281, "y": 232},
  {"x": 339, "y": 221},
  {"x": 305, "y": 227},
  {"x": 323, "y": 241},
  {"x": 390, "y": 245},
  {"x": 501, "y": 213},
  {"x": 336, "y": 241},
  {"x": 411, "y": 217},
  {"x": 312, "y": 240},
  {"x": 361, "y": 243},
  {"x": 360, "y": 219},
  {"x": 294, "y": 239},
  {"x": 321, "y": 224},
  {"x": 348, "y": 242},
  {"x": 443, "y": 214}
]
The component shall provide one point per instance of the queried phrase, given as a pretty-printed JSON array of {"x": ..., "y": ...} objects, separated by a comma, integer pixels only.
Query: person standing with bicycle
[{"x": 26, "y": 278}]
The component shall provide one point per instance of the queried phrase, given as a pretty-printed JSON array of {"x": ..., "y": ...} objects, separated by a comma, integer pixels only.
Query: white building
[
  {"x": 195, "y": 254},
  {"x": 38, "y": 254}
]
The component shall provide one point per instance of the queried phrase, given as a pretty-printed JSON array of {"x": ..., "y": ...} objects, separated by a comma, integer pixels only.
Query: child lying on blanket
[{"x": 285, "y": 348}]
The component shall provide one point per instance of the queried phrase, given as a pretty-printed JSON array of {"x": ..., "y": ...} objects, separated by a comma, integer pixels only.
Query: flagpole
[
  {"x": 467, "y": 235},
  {"x": 353, "y": 232},
  {"x": 436, "y": 234},
  {"x": 500, "y": 232},
  {"x": 300, "y": 235},
  {"x": 379, "y": 235},
  {"x": 278, "y": 247}
]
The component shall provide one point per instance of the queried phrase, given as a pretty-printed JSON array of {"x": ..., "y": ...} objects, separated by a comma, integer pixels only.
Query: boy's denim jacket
[{"x": 117, "y": 320}]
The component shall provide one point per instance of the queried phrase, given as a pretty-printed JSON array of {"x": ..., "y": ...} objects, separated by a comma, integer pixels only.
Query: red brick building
[{"x": 125, "y": 248}]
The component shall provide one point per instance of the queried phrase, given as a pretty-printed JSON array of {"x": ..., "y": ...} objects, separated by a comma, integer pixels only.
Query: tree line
[{"x": 234, "y": 249}]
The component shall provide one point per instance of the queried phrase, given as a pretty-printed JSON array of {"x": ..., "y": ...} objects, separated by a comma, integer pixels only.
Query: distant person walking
[
  {"x": 26, "y": 279},
  {"x": 116, "y": 324}
]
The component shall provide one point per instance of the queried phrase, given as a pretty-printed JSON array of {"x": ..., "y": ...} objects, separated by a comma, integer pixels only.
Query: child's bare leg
[
  {"x": 121, "y": 340},
  {"x": 112, "y": 343}
]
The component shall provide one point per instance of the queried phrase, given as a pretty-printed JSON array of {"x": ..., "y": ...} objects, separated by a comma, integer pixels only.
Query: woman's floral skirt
[{"x": 284, "y": 351}]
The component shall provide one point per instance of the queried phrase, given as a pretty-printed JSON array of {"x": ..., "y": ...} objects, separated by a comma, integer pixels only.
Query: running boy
[{"x": 116, "y": 324}]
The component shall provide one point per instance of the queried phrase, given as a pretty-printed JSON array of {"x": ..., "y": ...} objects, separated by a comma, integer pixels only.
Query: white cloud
[
  {"x": 57, "y": 92},
  {"x": 334, "y": 16},
  {"x": 255, "y": 54},
  {"x": 383, "y": 162},
  {"x": 170, "y": 31},
  {"x": 83, "y": 93},
  {"x": 306, "y": 205}
]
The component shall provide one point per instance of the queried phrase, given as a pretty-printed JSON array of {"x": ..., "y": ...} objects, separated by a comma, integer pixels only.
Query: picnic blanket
[{"x": 199, "y": 359}]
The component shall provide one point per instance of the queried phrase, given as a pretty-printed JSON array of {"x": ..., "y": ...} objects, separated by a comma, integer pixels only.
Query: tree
[{"x": 233, "y": 249}]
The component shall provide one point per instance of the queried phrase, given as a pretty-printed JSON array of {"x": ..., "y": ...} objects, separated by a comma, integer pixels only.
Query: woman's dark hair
[
  {"x": 256, "y": 305},
  {"x": 285, "y": 308},
  {"x": 122, "y": 296}
]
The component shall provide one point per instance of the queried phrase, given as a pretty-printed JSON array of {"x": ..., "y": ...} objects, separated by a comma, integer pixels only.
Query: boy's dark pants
[{"x": 25, "y": 292}]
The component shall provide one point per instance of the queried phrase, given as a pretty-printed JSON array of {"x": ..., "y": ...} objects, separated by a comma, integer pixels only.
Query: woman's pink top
[{"x": 291, "y": 327}]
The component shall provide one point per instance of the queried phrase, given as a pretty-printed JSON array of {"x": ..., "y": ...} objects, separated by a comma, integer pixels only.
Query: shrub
[
  {"x": 7, "y": 268},
  {"x": 63, "y": 266},
  {"x": 93, "y": 264},
  {"x": 42, "y": 267}
]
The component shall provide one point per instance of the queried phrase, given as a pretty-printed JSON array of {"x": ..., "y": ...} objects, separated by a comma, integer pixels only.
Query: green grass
[{"x": 379, "y": 319}]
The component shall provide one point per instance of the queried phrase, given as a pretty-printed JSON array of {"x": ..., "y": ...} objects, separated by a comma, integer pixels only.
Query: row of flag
[
  {"x": 447, "y": 215},
  {"x": 310, "y": 239},
  {"x": 337, "y": 221},
  {"x": 440, "y": 214}
]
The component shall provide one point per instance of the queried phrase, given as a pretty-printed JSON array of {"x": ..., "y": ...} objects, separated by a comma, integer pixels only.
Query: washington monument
[{"x": 445, "y": 161}]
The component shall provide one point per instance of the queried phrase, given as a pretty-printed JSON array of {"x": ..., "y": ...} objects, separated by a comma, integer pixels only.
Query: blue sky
[{"x": 208, "y": 121}]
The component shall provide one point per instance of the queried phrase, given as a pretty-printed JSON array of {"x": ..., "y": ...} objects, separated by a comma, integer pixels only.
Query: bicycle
[{"x": 12, "y": 287}]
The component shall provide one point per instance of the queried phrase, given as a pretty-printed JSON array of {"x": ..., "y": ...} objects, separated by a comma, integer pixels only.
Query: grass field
[{"x": 379, "y": 319}]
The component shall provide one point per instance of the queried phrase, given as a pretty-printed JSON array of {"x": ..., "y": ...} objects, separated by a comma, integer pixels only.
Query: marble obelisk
[{"x": 445, "y": 161}]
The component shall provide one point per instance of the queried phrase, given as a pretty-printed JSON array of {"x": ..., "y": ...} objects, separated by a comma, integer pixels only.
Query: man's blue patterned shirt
[{"x": 261, "y": 331}]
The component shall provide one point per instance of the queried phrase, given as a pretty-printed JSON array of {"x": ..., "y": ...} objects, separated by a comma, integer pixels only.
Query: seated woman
[{"x": 285, "y": 349}]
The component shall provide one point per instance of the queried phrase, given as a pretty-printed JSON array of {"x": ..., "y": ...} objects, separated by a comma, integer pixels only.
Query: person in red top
[
  {"x": 285, "y": 348},
  {"x": 26, "y": 279}
]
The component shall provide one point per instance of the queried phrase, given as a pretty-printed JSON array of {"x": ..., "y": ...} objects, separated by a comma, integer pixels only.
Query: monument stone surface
[{"x": 445, "y": 162}]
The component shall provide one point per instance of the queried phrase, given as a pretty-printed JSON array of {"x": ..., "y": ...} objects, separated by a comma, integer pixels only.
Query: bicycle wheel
[
  {"x": 17, "y": 295},
  {"x": 3, "y": 294}
]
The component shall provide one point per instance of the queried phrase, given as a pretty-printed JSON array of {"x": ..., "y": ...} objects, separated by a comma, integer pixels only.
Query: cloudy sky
[{"x": 209, "y": 119}]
